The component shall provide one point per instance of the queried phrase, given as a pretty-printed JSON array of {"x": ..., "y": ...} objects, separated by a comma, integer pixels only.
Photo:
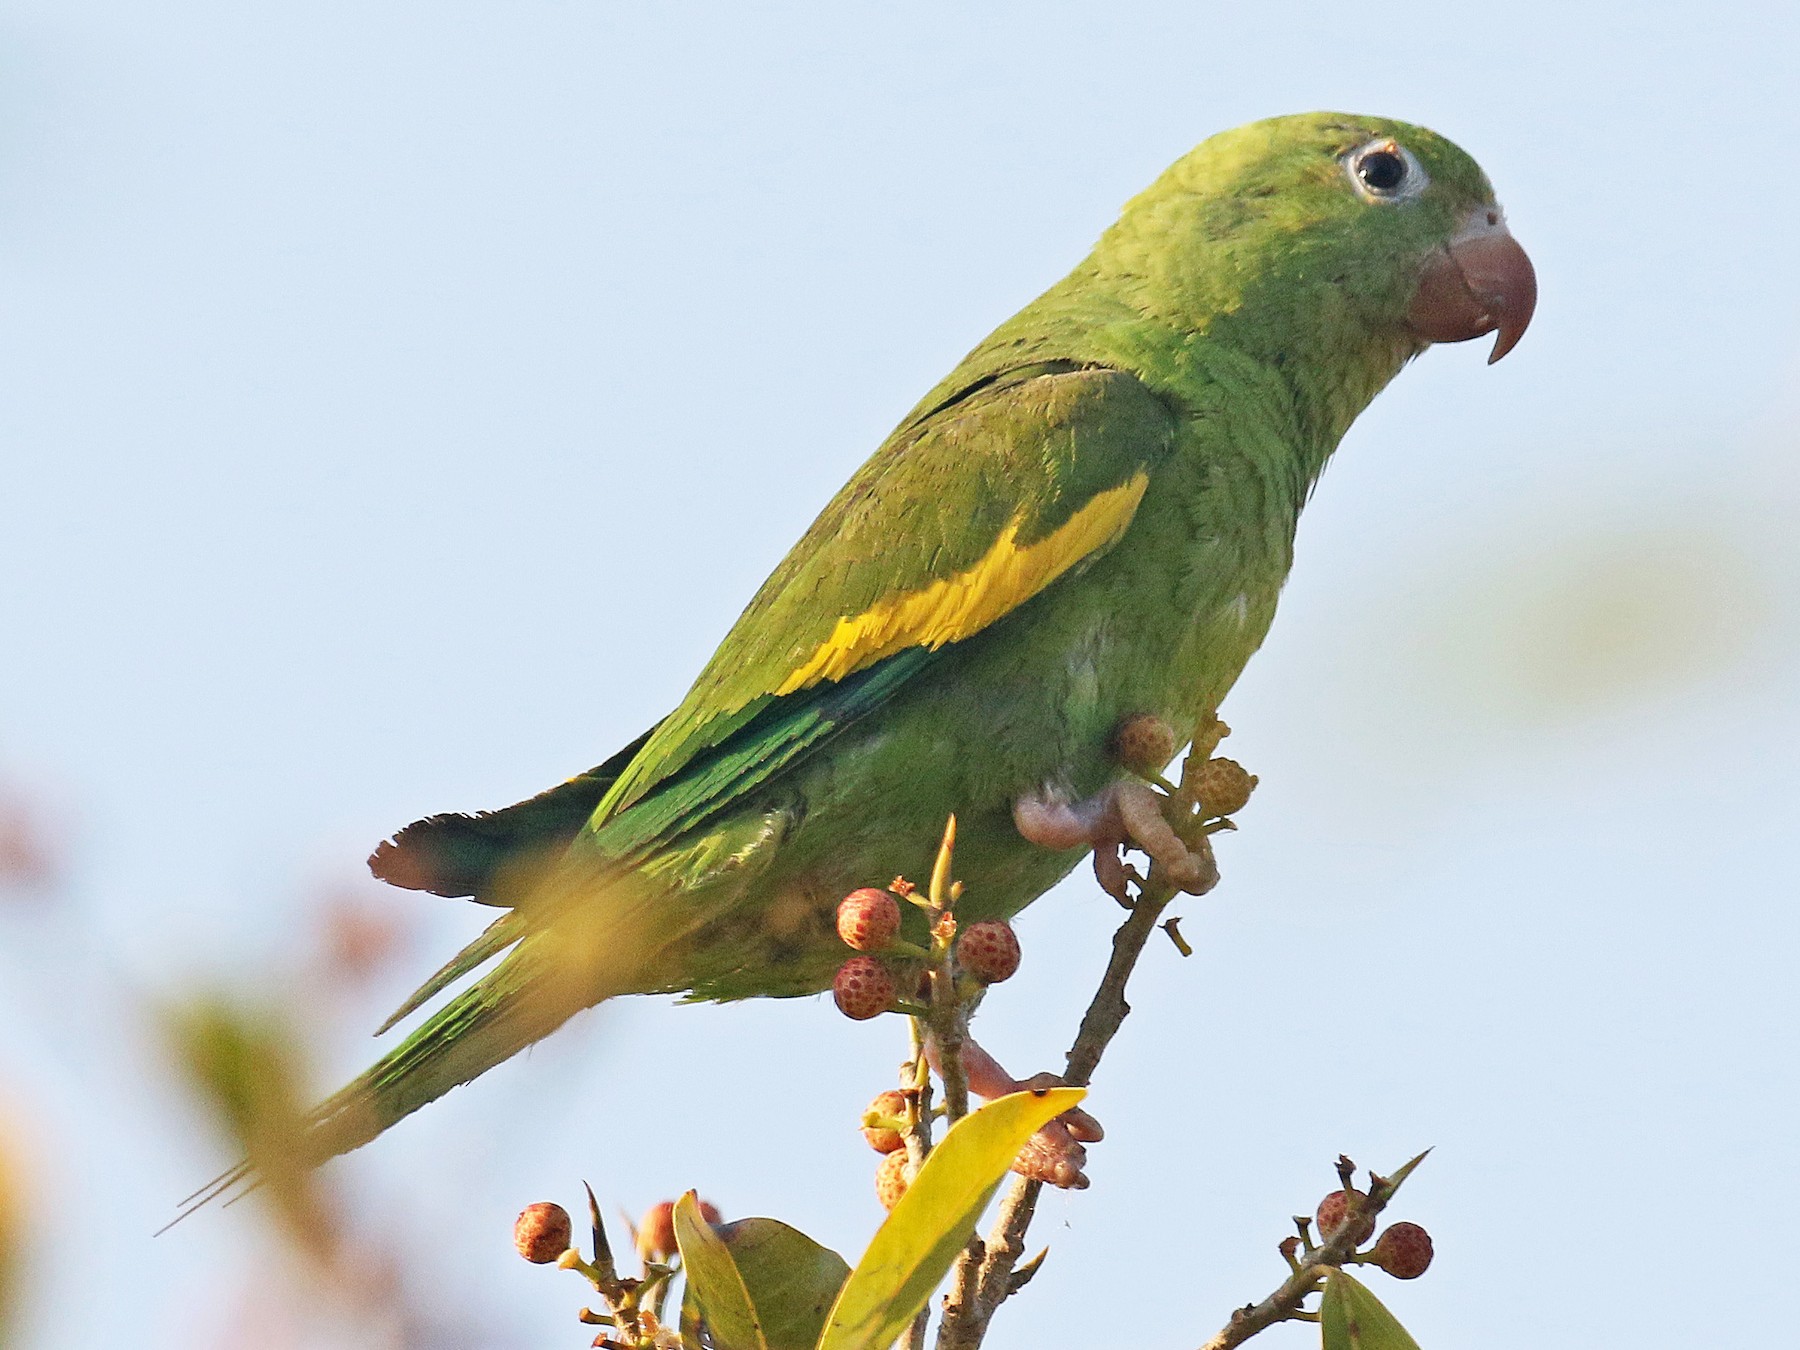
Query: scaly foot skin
[
  {"x": 1126, "y": 815},
  {"x": 1054, "y": 1154}
]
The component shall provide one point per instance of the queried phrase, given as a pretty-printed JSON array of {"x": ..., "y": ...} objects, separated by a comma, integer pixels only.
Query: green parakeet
[{"x": 1090, "y": 518}]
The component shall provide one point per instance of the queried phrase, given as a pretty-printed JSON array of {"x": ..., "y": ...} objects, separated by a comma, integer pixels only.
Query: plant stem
[
  {"x": 1284, "y": 1304},
  {"x": 983, "y": 1277}
]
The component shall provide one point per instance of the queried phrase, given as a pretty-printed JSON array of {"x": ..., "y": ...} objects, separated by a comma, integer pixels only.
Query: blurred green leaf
[
  {"x": 12, "y": 1238},
  {"x": 791, "y": 1279},
  {"x": 245, "y": 1064},
  {"x": 918, "y": 1244},
  {"x": 1351, "y": 1318},
  {"x": 714, "y": 1281}
]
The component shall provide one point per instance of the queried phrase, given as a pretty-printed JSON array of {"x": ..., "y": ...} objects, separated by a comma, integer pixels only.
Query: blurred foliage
[
  {"x": 31, "y": 854},
  {"x": 1572, "y": 625},
  {"x": 359, "y": 936},
  {"x": 245, "y": 1063},
  {"x": 12, "y": 1237}
]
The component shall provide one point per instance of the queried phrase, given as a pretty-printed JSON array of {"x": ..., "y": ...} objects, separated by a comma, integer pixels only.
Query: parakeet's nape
[{"x": 1090, "y": 518}]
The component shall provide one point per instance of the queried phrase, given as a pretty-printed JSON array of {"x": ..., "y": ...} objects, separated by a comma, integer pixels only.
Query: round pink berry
[
  {"x": 868, "y": 920},
  {"x": 541, "y": 1233},
  {"x": 656, "y": 1230},
  {"x": 1332, "y": 1211},
  {"x": 863, "y": 988},
  {"x": 884, "y": 1138},
  {"x": 1403, "y": 1250},
  {"x": 988, "y": 950},
  {"x": 891, "y": 1180}
]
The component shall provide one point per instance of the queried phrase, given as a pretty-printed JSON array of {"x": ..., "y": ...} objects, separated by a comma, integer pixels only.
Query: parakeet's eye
[{"x": 1385, "y": 171}]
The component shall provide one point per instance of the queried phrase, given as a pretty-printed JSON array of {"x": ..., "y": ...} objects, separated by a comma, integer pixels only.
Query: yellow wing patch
[{"x": 953, "y": 608}]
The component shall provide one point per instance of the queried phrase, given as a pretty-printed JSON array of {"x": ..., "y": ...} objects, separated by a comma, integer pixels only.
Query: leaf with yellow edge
[
  {"x": 1352, "y": 1318},
  {"x": 915, "y": 1248},
  {"x": 714, "y": 1282}
]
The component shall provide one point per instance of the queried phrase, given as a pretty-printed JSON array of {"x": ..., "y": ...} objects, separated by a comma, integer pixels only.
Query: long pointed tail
[{"x": 523, "y": 1000}]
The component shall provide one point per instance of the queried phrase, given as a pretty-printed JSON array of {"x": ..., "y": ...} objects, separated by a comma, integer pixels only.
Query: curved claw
[
  {"x": 1126, "y": 815},
  {"x": 1054, "y": 1157},
  {"x": 1079, "y": 1123},
  {"x": 1055, "y": 1154},
  {"x": 1138, "y": 809},
  {"x": 1113, "y": 873}
]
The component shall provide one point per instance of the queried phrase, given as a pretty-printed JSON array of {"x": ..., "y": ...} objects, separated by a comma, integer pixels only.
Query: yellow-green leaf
[
  {"x": 714, "y": 1281},
  {"x": 1352, "y": 1318},
  {"x": 12, "y": 1240},
  {"x": 792, "y": 1280},
  {"x": 918, "y": 1244},
  {"x": 1407, "y": 1170},
  {"x": 246, "y": 1063}
]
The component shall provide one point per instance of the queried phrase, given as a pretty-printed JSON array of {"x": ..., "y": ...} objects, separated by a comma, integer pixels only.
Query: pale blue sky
[{"x": 401, "y": 399}]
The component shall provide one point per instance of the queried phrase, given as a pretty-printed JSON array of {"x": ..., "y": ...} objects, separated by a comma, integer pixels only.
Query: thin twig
[
  {"x": 949, "y": 1023},
  {"x": 1312, "y": 1266},
  {"x": 983, "y": 1278},
  {"x": 984, "y": 1271},
  {"x": 949, "y": 1029},
  {"x": 915, "y": 1334}
]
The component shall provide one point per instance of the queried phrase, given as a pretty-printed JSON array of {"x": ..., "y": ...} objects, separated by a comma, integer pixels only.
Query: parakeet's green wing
[
  {"x": 966, "y": 513},
  {"x": 961, "y": 517}
]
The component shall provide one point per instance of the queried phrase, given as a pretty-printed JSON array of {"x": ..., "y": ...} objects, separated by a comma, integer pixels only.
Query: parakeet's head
[{"x": 1331, "y": 224}]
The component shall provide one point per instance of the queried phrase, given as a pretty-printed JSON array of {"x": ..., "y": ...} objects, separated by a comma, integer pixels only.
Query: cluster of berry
[
  {"x": 868, "y": 921},
  {"x": 1403, "y": 1250},
  {"x": 542, "y": 1232}
]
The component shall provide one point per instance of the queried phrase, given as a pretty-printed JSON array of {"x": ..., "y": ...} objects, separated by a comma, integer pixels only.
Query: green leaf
[
  {"x": 918, "y": 1244},
  {"x": 12, "y": 1240},
  {"x": 1407, "y": 1170},
  {"x": 1351, "y": 1318},
  {"x": 714, "y": 1281},
  {"x": 690, "y": 1318},
  {"x": 792, "y": 1280}
]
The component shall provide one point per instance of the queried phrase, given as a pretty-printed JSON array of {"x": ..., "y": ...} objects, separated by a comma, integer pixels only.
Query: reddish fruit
[
  {"x": 1224, "y": 787},
  {"x": 1332, "y": 1210},
  {"x": 863, "y": 988},
  {"x": 891, "y": 1180},
  {"x": 656, "y": 1230},
  {"x": 1403, "y": 1251},
  {"x": 989, "y": 951},
  {"x": 868, "y": 920},
  {"x": 881, "y": 1138},
  {"x": 1144, "y": 743},
  {"x": 541, "y": 1232}
]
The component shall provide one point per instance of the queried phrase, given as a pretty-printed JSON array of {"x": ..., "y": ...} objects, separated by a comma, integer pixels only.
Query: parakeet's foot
[
  {"x": 1126, "y": 815},
  {"x": 1055, "y": 1154}
]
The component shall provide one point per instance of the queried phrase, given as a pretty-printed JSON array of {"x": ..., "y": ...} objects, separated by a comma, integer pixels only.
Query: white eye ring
[{"x": 1384, "y": 170}]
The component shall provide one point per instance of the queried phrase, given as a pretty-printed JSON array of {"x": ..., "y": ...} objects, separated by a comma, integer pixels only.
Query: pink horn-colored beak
[{"x": 1480, "y": 282}]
